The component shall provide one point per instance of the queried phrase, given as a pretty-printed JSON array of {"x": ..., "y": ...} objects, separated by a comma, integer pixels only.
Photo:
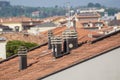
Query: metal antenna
[{"x": 68, "y": 10}]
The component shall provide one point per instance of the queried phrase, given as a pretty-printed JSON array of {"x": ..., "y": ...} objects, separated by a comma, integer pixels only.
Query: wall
[
  {"x": 12, "y": 25},
  {"x": 34, "y": 30},
  {"x": 3, "y": 49},
  {"x": 118, "y": 16},
  {"x": 104, "y": 67}
]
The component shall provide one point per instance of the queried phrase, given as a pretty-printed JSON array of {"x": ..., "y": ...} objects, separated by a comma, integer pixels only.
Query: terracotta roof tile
[
  {"x": 17, "y": 19},
  {"x": 39, "y": 39},
  {"x": 88, "y": 14}
]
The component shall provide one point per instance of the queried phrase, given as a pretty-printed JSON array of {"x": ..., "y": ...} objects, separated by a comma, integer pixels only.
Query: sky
[{"x": 47, "y": 3}]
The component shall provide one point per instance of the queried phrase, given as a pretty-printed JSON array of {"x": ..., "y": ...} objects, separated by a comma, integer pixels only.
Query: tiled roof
[
  {"x": 88, "y": 15},
  {"x": 53, "y": 18},
  {"x": 39, "y": 39},
  {"x": 42, "y": 63},
  {"x": 17, "y": 19},
  {"x": 47, "y": 24},
  {"x": 2, "y": 39},
  {"x": 80, "y": 24},
  {"x": 82, "y": 33},
  {"x": 114, "y": 23}
]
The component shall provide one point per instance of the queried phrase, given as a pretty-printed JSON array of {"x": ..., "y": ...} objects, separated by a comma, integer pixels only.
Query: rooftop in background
[
  {"x": 47, "y": 24},
  {"x": 17, "y": 19},
  {"x": 88, "y": 14},
  {"x": 2, "y": 39},
  {"x": 114, "y": 23},
  {"x": 94, "y": 9}
]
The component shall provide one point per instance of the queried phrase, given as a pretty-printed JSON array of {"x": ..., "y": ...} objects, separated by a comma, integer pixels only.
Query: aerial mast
[{"x": 68, "y": 15}]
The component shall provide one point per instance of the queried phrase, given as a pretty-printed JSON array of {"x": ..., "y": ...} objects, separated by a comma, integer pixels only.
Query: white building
[
  {"x": 42, "y": 27},
  {"x": 84, "y": 10},
  {"x": 117, "y": 16},
  {"x": 3, "y": 48}
]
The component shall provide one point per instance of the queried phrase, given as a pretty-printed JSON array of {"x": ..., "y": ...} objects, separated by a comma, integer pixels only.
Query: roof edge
[{"x": 98, "y": 54}]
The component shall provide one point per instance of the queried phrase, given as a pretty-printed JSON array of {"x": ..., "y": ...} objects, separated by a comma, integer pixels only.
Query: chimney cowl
[
  {"x": 50, "y": 33},
  {"x": 56, "y": 40},
  {"x": 22, "y": 50},
  {"x": 69, "y": 34}
]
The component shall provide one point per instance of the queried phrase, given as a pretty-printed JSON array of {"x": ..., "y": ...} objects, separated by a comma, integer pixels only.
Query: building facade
[{"x": 3, "y": 48}]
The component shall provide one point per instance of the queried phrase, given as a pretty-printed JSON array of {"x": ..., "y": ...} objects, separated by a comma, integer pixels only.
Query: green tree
[
  {"x": 112, "y": 11},
  {"x": 90, "y": 4},
  {"x": 97, "y": 5},
  {"x": 12, "y": 46}
]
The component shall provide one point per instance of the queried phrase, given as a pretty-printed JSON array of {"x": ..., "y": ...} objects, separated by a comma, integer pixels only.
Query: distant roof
[
  {"x": 17, "y": 19},
  {"x": 2, "y": 39},
  {"x": 114, "y": 23},
  {"x": 88, "y": 14},
  {"x": 47, "y": 24},
  {"x": 108, "y": 18}
]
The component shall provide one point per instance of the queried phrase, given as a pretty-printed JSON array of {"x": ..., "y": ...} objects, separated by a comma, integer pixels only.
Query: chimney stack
[
  {"x": 22, "y": 53},
  {"x": 57, "y": 46},
  {"x": 70, "y": 40},
  {"x": 50, "y": 34}
]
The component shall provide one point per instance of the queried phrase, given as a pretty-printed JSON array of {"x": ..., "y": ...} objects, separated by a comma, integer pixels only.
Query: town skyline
[{"x": 49, "y": 3}]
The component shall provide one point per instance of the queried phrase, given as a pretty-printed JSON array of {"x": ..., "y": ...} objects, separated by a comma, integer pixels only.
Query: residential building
[
  {"x": 42, "y": 27},
  {"x": 36, "y": 14},
  {"x": 89, "y": 20},
  {"x": 5, "y": 29},
  {"x": 115, "y": 23},
  {"x": 117, "y": 16},
  {"x": 106, "y": 18},
  {"x": 3, "y": 48},
  {"x": 84, "y": 10},
  {"x": 19, "y": 23},
  {"x": 88, "y": 16}
]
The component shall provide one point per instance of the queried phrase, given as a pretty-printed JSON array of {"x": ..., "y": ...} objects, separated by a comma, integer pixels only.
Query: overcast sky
[{"x": 41, "y": 3}]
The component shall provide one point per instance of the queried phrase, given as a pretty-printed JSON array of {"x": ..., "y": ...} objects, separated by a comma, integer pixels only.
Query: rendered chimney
[
  {"x": 50, "y": 34},
  {"x": 70, "y": 40},
  {"x": 22, "y": 53},
  {"x": 57, "y": 46}
]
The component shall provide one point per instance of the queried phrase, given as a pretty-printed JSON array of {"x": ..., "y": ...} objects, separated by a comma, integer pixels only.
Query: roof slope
[
  {"x": 47, "y": 24},
  {"x": 41, "y": 62},
  {"x": 39, "y": 39}
]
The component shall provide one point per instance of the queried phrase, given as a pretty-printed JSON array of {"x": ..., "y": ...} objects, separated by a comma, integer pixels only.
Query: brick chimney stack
[
  {"x": 50, "y": 34},
  {"x": 70, "y": 40},
  {"x": 57, "y": 46},
  {"x": 22, "y": 53}
]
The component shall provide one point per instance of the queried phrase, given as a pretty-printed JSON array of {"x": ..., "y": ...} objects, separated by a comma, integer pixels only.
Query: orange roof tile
[
  {"x": 17, "y": 19},
  {"x": 88, "y": 15}
]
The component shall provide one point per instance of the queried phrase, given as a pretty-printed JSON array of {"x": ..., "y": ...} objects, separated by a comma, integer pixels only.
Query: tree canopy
[
  {"x": 12, "y": 46},
  {"x": 98, "y": 5}
]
